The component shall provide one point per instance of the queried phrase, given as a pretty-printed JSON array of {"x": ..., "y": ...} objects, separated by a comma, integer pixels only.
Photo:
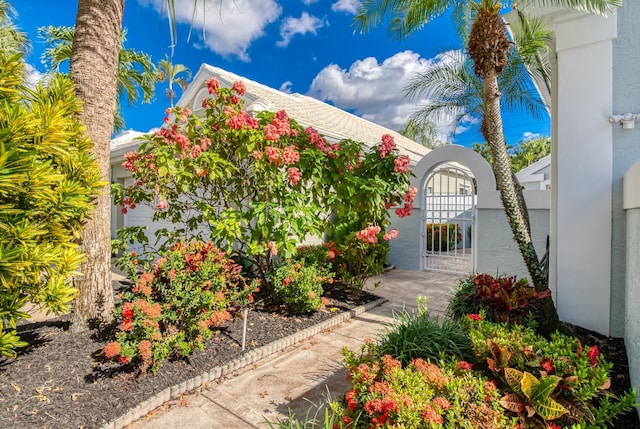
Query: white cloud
[
  {"x": 229, "y": 26},
  {"x": 308, "y": 2},
  {"x": 286, "y": 87},
  {"x": 370, "y": 89},
  {"x": 374, "y": 90},
  {"x": 32, "y": 76},
  {"x": 303, "y": 25},
  {"x": 348, "y": 6},
  {"x": 528, "y": 135}
]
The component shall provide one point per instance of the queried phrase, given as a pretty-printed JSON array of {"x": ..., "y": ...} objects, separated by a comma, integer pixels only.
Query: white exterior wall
[
  {"x": 497, "y": 252},
  {"x": 632, "y": 291},
  {"x": 582, "y": 168}
]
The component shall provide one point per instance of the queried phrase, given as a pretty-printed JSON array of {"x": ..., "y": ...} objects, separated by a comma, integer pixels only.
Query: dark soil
[{"x": 62, "y": 381}]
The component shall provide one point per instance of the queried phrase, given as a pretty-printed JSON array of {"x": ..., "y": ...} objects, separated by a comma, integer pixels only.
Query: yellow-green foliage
[{"x": 48, "y": 180}]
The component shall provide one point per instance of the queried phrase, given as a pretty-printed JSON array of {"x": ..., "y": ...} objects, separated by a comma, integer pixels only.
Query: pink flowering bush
[
  {"x": 298, "y": 285},
  {"x": 173, "y": 304},
  {"x": 258, "y": 186},
  {"x": 386, "y": 394}
]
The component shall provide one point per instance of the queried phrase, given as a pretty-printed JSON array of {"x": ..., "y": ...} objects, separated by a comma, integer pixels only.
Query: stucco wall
[
  {"x": 497, "y": 252},
  {"x": 631, "y": 204},
  {"x": 626, "y": 149}
]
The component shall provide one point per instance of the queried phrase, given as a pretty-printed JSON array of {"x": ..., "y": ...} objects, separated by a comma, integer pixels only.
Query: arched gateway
[{"x": 440, "y": 232}]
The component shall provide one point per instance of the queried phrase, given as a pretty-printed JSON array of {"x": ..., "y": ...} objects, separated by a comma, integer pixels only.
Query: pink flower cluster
[
  {"x": 213, "y": 85},
  {"x": 408, "y": 202},
  {"x": 369, "y": 234},
  {"x": 242, "y": 120},
  {"x": 273, "y": 248},
  {"x": 239, "y": 87},
  {"x": 387, "y": 146},
  {"x": 393, "y": 234},
  {"x": 290, "y": 155},
  {"x": 294, "y": 175},
  {"x": 401, "y": 164},
  {"x": 272, "y": 152},
  {"x": 316, "y": 139},
  {"x": 279, "y": 126}
]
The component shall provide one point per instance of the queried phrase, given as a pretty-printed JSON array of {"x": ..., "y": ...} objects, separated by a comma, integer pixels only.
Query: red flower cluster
[
  {"x": 593, "y": 354},
  {"x": 294, "y": 175},
  {"x": 475, "y": 317},
  {"x": 387, "y": 146},
  {"x": 290, "y": 155},
  {"x": 401, "y": 164},
  {"x": 242, "y": 120},
  {"x": 213, "y": 85},
  {"x": 238, "y": 87},
  {"x": 369, "y": 234},
  {"x": 408, "y": 202},
  {"x": 393, "y": 234}
]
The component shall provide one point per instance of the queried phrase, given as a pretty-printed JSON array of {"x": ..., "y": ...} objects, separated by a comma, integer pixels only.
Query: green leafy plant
[
  {"x": 443, "y": 236},
  {"x": 504, "y": 299},
  {"x": 324, "y": 255},
  {"x": 299, "y": 286},
  {"x": 547, "y": 380},
  {"x": 362, "y": 259},
  {"x": 260, "y": 186},
  {"x": 386, "y": 394},
  {"x": 173, "y": 305},
  {"x": 48, "y": 181},
  {"x": 418, "y": 334}
]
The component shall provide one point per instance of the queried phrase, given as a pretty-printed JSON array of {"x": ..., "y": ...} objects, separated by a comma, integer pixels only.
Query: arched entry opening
[
  {"x": 448, "y": 219},
  {"x": 408, "y": 251}
]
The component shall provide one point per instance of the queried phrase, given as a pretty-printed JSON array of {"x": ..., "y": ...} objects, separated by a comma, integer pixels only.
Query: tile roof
[{"x": 335, "y": 124}]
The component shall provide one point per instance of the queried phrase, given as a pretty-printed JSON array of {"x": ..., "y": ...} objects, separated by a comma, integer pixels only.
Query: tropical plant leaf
[
  {"x": 513, "y": 377},
  {"x": 529, "y": 385},
  {"x": 578, "y": 410},
  {"x": 513, "y": 402},
  {"x": 549, "y": 409},
  {"x": 545, "y": 387}
]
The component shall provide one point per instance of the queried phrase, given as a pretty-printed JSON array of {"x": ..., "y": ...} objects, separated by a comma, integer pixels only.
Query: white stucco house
[
  {"x": 536, "y": 176},
  {"x": 331, "y": 122}
]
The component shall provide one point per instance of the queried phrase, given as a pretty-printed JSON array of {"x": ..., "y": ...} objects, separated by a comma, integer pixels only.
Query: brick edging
[{"x": 243, "y": 361}]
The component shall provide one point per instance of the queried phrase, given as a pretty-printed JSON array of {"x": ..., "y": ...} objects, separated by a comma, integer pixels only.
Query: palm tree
[
  {"x": 488, "y": 46},
  {"x": 168, "y": 72},
  {"x": 456, "y": 94},
  {"x": 11, "y": 39},
  {"x": 94, "y": 70},
  {"x": 423, "y": 132},
  {"x": 136, "y": 71}
]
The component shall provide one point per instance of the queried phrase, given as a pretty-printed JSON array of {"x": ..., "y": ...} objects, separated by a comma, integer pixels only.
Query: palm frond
[{"x": 600, "y": 7}]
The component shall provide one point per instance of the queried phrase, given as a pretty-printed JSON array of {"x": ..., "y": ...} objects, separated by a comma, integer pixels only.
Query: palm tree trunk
[
  {"x": 513, "y": 199},
  {"x": 94, "y": 68}
]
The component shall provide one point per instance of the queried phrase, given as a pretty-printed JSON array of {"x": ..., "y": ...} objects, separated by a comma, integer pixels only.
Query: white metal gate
[{"x": 450, "y": 193}]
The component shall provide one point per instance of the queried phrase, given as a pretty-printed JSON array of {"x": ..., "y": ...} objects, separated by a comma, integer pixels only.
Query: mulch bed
[{"x": 62, "y": 381}]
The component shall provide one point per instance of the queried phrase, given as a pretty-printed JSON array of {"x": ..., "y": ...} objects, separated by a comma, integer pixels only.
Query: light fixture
[{"x": 628, "y": 120}]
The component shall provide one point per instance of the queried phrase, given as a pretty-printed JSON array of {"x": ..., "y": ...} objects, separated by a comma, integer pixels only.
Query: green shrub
[
  {"x": 504, "y": 299},
  {"x": 418, "y": 334},
  {"x": 361, "y": 260},
  {"x": 443, "y": 236},
  {"x": 385, "y": 394},
  {"x": 324, "y": 255},
  {"x": 299, "y": 286},
  {"x": 547, "y": 380},
  {"x": 48, "y": 180},
  {"x": 172, "y": 306}
]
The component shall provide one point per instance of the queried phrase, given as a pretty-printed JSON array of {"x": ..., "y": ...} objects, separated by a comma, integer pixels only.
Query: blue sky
[{"x": 304, "y": 46}]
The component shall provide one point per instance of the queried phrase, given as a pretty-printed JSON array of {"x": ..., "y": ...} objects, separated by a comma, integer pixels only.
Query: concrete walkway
[{"x": 304, "y": 374}]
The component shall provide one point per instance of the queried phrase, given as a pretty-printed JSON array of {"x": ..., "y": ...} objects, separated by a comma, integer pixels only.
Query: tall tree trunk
[
  {"x": 488, "y": 47},
  {"x": 94, "y": 69}
]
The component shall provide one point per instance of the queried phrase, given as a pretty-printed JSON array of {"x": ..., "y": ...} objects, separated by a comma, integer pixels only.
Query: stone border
[{"x": 243, "y": 361}]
